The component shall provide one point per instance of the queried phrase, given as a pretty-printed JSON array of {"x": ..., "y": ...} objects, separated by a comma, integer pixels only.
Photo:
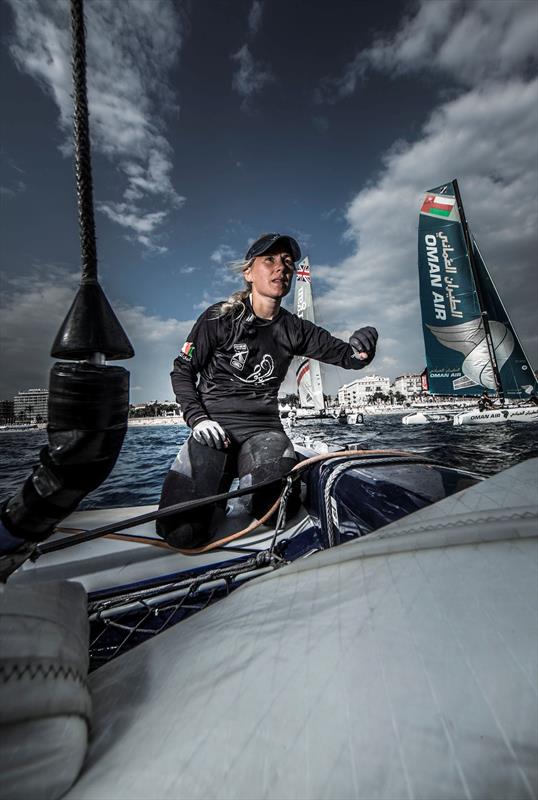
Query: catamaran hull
[
  {"x": 306, "y": 414},
  {"x": 137, "y": 557},
  {"x": 397, "y": 664},
  {"x": 497, "y": 415},
  {"x": 425, "y": 418}
]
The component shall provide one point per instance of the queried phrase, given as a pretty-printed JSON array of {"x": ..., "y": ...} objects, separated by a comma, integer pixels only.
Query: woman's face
[{"x": 270, "y": 274}]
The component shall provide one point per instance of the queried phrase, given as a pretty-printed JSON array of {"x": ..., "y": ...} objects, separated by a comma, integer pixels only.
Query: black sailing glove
[{"x": 364, "y": 342}]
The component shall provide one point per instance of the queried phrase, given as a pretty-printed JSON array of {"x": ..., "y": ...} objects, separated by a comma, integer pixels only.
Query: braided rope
[{"x": 81, "y": 135}]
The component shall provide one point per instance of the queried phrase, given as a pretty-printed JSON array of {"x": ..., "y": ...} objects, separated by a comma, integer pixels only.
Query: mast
[{"x": 483, "y": 312}]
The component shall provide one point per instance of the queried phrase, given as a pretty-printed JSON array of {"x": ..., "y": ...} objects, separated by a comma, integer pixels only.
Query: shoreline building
[
  {"x": 31, "y": 406},
  {"x": 7, "y": 414},
  {"x": 408, "y": 384},
  {"x": 154, "y": 410},
  {"x": 360, "y": 390}
]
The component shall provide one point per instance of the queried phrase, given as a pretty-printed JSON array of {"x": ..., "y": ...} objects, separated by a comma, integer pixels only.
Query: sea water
[{"x": 148, "y": 452}]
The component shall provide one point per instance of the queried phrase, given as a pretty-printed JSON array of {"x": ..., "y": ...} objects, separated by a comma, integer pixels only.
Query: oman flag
[{"x": 438, "y": 205}]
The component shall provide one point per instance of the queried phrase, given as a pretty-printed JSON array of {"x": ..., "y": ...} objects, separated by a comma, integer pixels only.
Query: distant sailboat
[
  {"x": 471, "y": 345},
  {"x": 308, "y": 373}
]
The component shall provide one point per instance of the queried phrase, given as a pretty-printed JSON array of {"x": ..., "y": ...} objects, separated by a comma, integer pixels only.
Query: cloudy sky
[{"x": 213, "y": 121}]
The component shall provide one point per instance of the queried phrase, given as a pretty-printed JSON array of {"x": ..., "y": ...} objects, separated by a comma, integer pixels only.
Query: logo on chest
[
  {"x": 240, "y": 356},
  {"x": 262, "y": 372}
]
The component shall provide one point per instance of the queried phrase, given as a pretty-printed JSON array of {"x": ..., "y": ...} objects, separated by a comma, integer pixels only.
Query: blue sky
[{"x": 213, "y": 122}]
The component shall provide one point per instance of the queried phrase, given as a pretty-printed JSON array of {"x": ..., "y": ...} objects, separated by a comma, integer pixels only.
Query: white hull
[
  {"x": 491, "y": 416},
  {"x": 137, "y": 555},
  {"x": 19, "y": 428},
  {"x": 311, "y": 413},
  {"x": 428, "y": 417}
]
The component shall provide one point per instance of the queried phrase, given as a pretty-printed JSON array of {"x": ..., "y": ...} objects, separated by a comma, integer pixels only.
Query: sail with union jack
[
  {"x": 302, "y": 272},
  {"x": 308, "y": 371}
]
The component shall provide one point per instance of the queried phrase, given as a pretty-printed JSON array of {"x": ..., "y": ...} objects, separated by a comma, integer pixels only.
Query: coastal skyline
[
  {"x": 213, "y": 122},
  {"x": 360, "y": 376}
]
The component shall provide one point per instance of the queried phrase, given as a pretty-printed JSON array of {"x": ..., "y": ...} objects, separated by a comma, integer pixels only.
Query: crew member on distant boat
[
  {"x": 484, "y": 401},
  {"x": 342, "y": 416},
  {"x": 226, "y": 380}
]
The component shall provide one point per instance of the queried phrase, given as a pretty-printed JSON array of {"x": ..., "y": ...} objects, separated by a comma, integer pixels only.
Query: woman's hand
[
  {"x": 364, "y": 342},
  {"x": 210, "y": 433}
]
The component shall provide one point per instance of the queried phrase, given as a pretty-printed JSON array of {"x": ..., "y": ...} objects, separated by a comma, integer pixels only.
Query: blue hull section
[{"x": 351, "y": 498}]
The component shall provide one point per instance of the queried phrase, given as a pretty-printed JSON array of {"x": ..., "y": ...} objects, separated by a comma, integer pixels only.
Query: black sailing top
[{"x": 240, "y": 362}]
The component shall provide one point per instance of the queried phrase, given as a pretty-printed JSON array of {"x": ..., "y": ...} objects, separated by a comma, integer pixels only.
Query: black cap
[{"x": 265, "y": 242}]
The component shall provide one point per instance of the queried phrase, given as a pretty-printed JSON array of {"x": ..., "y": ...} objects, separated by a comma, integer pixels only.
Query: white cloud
[
  {"x": 31, "y": 311},
  {"x": 255, "y": 17},
  {"x": 15, "y": 188},
  {"x": 123, "y": 214},
  {"x": 223, "y": 253},
  {"x": 251, "y": 76},
  {"x": 472, "y": 42},
  {"x": 131, "y": 48},
  {"x": 14, "y": 184},
  {"x": 144, "y": 225},
  {"x": 208, "y": 299}
]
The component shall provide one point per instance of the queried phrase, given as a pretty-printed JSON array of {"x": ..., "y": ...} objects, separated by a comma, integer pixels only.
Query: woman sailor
[{"x": 226, "y": 380}]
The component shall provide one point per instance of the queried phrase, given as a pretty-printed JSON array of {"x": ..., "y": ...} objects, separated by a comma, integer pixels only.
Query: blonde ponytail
[{"x": 236, "y": 301}]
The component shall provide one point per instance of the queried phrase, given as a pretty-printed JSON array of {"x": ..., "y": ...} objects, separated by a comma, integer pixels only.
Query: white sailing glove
[{"x": 210, "y": 433}]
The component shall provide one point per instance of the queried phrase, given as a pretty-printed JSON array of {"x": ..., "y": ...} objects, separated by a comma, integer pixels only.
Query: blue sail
[{"x": 458, "y": 352}]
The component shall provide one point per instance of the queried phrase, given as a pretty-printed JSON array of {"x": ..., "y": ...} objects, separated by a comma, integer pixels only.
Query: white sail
[
  {"x": 308, "y": 372},
  {"x": 469, "y": 338}
]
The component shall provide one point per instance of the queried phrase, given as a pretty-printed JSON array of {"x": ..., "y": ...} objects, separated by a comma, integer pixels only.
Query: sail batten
[
  {"x": 308, "y": 372},
  {"x": 464, "y": 356}
]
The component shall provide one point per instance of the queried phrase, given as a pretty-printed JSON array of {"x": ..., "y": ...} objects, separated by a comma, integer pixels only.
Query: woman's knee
[
  {"x": 187, "y": 528},
  {"x": 197, "y": 472},
  {"x": 264, "y": 457},
  {"x": 266, "y": 454}
]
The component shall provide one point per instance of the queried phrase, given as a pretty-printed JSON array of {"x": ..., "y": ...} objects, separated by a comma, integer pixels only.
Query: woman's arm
[
  {"x": 316, "y": 342},
  {"x": 193, "y": 357}
]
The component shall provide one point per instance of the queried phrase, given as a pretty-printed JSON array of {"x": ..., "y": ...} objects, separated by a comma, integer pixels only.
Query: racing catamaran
[
  {"x": 470, "y": 342},
  {"x": 400, "y": 663}
]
